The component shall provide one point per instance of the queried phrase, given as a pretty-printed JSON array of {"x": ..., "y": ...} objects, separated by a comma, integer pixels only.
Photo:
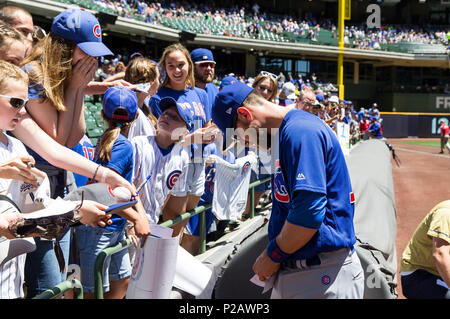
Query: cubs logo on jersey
[
  {"x": 172, "y": 179},
  {"x": 279, "y": 186}
]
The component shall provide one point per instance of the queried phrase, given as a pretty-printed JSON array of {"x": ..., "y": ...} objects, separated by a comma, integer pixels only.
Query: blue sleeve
[
  {"x": 303, "y": 158},
  {"x": 122, "y": 158},
  {"x": 307, "y": 209}
]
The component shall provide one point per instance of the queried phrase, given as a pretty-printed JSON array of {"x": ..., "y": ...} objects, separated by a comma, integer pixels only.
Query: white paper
[
  {"x": 191, "y": 274},
  {"x": 268, "y": 284},
  {"x": 57, "y": 207},
  {"x": 154, "y": 269}
]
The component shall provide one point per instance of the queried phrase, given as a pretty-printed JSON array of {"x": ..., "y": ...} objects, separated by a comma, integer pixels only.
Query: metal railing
[
  {"x": 61, "y": 288},
  {"x": 105, "y": 253}
]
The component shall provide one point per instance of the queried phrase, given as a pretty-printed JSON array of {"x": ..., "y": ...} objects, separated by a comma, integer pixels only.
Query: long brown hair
[
  {"x": 142, "y": 70},
  {"x": 51, "y": 61},
  {"x": 190, "y": 79}
]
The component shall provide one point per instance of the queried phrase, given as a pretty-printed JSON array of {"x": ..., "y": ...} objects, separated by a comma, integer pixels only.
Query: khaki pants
[{"x": 339, "y": 276}]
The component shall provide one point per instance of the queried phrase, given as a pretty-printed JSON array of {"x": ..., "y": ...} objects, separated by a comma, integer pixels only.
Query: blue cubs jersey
[
  {"x": 311, "y": 159},
  {"x": 195, "y": 99}
]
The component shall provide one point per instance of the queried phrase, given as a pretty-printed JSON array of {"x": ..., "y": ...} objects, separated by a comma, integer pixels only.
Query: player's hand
[
  {"x": 21, "y": 168},
  {"x": 6, "y": 221},
  {"x": 142, "y": 227},
  {"x": 264, "y": 267},
  {"x": 93, "y": 214}
]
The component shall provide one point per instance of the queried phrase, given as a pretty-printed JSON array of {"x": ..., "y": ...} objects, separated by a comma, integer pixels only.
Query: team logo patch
[
  {"x": 245, "y": 167},
  {"x": 173, "y": 178},
  {"x": 97, "y": 31},
  {"x": 326, "y": 280},
  {"x": 25, "y": 187},
  {"x": 279, "y": 186}
]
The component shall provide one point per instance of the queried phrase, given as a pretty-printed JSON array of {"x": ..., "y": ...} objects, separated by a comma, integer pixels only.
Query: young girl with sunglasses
[{"x": 13, "y": 98}]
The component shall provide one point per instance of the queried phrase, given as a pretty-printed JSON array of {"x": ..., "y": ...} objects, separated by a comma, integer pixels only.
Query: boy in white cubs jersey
[{"x": 165, "y": 162}]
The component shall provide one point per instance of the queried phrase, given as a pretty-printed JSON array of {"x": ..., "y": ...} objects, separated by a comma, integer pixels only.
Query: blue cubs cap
[
  {"x": 227, "y": 81},
  {"x": 319, "y": 97},
  {"x": 201, "y": 55},
  {"x": 185, "y": 113},
  {"x": 83, "y": 28},
  {"x": 227, "y": 102},
  {"x": 120, "y": 97}
]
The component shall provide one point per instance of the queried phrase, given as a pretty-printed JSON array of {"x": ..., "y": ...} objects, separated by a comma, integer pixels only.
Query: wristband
[
  {"x": 275, "y": 253},
  {"x": 95, "y": 174}
]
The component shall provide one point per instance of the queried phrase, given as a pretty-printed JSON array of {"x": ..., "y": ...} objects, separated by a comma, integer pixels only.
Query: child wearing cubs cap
[
  {"x": 166, "y": 161},
  {"x": 114, "y": 151}
]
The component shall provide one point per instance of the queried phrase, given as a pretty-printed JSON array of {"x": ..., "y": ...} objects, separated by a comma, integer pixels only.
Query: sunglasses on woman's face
[
  {"x": 265, "y": 73},
  {"x": 206, "y": 64},
  {"x": 15, "y": 101}
]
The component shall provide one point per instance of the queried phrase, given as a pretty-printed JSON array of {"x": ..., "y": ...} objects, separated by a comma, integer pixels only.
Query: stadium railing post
[{"x": 62, "y": 287}]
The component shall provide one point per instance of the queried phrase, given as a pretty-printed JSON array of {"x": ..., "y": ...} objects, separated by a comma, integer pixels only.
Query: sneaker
[{"x": 441, "y": 152}]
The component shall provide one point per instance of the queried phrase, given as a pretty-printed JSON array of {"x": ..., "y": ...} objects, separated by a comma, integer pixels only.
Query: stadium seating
[{"x": 205, "y": 25}]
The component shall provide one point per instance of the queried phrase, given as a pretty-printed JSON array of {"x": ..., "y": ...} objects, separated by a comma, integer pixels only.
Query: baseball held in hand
[{"x": 122, "y": 194}]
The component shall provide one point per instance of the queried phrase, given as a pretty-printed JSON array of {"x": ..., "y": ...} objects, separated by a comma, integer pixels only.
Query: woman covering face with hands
[{"x": 60, "y": 67}]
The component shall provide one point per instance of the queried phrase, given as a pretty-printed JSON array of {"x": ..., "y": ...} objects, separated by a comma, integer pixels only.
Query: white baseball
[{"x": 122, "y": 194}]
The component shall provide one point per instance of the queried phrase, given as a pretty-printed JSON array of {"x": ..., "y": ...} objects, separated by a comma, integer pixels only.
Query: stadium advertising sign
[{"x": 442, "y": 102}]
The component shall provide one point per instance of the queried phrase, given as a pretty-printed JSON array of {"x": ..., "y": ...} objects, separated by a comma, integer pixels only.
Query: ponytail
[{"x": 109, "y": 137}]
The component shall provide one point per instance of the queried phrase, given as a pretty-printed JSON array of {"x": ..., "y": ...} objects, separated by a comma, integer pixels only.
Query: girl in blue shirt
[{"x": 114, "y": 151}]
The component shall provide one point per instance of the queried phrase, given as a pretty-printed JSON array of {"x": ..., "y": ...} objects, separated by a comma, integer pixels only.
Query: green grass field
[{"x": 424, "y": 143}]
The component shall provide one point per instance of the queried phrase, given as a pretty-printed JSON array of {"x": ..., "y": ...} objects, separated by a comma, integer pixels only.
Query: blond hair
[
  {"x": 51, "y": 61},
  {"x": 273, "y": 84},
  {"x": 190, "y": 80},
  {"x": 10, "y": 71},
  {"x": 142, "y": 70}
]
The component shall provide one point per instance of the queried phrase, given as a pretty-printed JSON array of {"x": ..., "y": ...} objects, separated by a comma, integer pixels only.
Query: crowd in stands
[{"x": 254, "y": 20}]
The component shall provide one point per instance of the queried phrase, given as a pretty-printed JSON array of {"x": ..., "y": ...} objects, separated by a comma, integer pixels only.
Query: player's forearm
[{"x": 293, "y": 237}]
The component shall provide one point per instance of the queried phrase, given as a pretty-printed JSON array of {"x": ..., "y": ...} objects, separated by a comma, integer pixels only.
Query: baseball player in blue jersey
[{"x": 311, "y": 235}]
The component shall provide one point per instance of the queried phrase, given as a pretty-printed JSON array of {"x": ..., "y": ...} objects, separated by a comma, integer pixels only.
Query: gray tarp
[
  {"x": 369, "y": 165},
  {"x": 370, "y": 169}
]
